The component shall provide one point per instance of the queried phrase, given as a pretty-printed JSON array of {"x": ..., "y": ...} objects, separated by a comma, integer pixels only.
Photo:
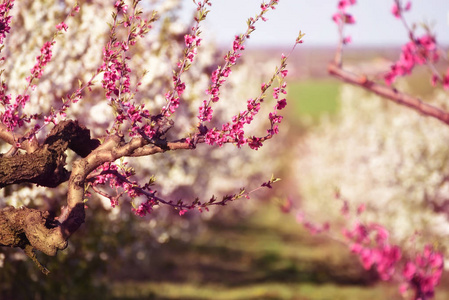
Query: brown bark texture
[{"x": 31, "y": 229}]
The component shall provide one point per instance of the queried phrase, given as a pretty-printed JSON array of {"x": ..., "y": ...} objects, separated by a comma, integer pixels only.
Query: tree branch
[
  {"x": 31, "y": 229},
  {"x": 45, "y": 166},
  {"x": 29, "y": 145},
  {"x": 389, "y": 93}
]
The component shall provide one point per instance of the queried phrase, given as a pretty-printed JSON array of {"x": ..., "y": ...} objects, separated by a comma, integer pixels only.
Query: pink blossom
[
  {"x": 121, "y": 6},
  {"x": 281, "y": 104},
  {"x": 366, "y": 256},
  {"x": 75, "y": 10},
  {"x": 300, "y": 217},
  {"x": 43, "y": 59},
  {"x": 337, "y": 17},
  {"x": 396, "y": 11},
  {"x": 356, "y": 248},
  {"x": 5, "y": 20},
  {"x": 61, "y": 26},
  {"x": 382, "y": 233},
  {"x": 361, "y": 208},
  {"x": 347, "y": 40},
  {"x": 342, "y": 4},
  {"x": 403, "y": 289},
  {"x": 48, "y": 119},
  {"x": 143, "y": 209},
  {"x": 349, "y": 19},
  {"x": 189, "y": 40},
  {"x": 417, "y": 52},
  {"x": 205, "y": 112},
  {"x": 408, "y": 6},
  {"x": 409, "y": 271},
  {"x": 255, "y": 143}
]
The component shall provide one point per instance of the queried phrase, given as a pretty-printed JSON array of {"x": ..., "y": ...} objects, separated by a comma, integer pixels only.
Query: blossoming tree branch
[
  {"x": 420, "y": 50},
  {"x": 38, "y": 141}
]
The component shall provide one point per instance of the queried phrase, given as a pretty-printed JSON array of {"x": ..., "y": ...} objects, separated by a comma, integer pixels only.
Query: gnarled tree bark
[
  {"x": 32, "y": 229},
  {"x": 44, "y": 165}
]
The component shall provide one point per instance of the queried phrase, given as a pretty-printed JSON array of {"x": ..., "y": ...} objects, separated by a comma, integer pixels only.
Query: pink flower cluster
[
  {"x": 370, "y": 243},
  {"x": 192, "y": 42},
  {"x": 423, "y": 273},
  {"x": 234, "y": 131},
  {"x": 218, "y": 77},
  {"x": 8, "y": 117},
  {"x": 42, "y": 60},
  {"x": 419, "y": 51},
  {"x": 342, "y": 17},
  {"x": 397, "y": 9},
  {"x": 12, "y": 117},
  {"x": 121, "y": 6},
  {"x": 116, "y": 71},
  {"x": 271, "y": 5},
  {"x": 62, "y": 26},
  {"x": 118, "y": 178},
  {"x": 276, "y": 119},
  {"x": 420, "y": 272},
  {"x": 5, "y": 20},
  {"x": 144, "y": 208}
]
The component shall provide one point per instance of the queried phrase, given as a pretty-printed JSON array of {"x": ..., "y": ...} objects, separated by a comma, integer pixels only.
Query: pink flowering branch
[
  {"x": 119, "y": 179},
  {"x": 421, "y": 50},
  {"x": 116, "y": 71},
  {"x": 5, "y": 20},
  {"x": 418, "y": 271},
  {"x": 5, "y": 99},
  {"x": 192, "y": 43},
  {"x": 219, "y": 76},
  {"x": 13, "y": 117},
  {"x": 341, "y": 18},
  {"x": 390, "y": 93},
  {"x": 233, "y": 132}
]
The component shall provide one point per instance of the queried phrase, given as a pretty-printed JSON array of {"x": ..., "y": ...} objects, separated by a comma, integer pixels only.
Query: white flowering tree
[{"x": 81, "y": 122}]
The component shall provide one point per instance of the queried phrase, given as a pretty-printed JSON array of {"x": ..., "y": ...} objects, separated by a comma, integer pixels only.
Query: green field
[{"x": 310, "y": 99}]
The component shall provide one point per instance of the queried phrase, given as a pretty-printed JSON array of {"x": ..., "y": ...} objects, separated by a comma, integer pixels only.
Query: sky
[{"x": 375, "y": 25}]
